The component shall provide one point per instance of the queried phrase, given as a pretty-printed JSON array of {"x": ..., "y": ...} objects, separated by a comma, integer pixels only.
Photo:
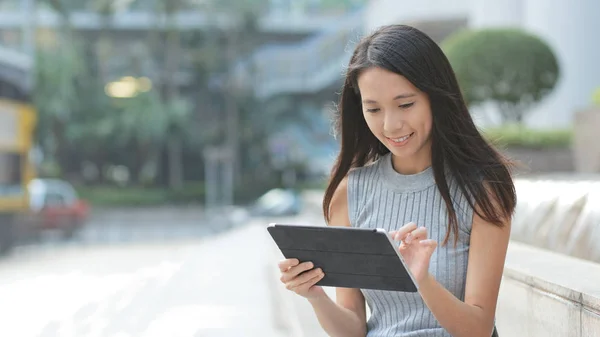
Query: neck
[{"x": 413, "y": 164}]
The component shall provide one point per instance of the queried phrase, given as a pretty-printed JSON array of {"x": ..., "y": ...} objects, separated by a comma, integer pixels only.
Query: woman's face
[{"x": 399, "y": 115}]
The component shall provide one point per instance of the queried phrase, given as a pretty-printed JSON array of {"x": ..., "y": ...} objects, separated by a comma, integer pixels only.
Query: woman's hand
[
  {"x": 301, "y": 278},
  {"x": 416, "y": 249}
]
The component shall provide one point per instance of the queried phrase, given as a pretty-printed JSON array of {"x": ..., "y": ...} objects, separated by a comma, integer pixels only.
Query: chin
[
  {"x": 403, "y": 153},
  {"x": 408, "y": 151}
]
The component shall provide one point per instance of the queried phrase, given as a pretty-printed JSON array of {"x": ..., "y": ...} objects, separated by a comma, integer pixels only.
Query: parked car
[{"x": 55, "y": 205}]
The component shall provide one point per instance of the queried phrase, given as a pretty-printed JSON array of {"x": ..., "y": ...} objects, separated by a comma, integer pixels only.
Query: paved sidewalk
[{"x": 218, "y": 287}]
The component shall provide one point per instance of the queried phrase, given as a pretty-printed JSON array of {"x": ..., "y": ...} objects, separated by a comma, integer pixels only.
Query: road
[
  {"x": 122, "y": 227},
  {"x": 205, "y": 284}
]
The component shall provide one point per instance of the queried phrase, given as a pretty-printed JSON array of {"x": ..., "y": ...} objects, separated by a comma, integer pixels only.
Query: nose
[{"x": 392, "y": 122}]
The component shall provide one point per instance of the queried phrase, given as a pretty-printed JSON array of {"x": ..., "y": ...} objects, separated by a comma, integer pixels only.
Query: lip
[
  {"x": 408, "y": 134},
  {"x": 394, "y": 144}
]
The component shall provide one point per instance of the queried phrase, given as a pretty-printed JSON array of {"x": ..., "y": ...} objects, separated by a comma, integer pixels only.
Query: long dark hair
[{"x": 481, "y": 172}]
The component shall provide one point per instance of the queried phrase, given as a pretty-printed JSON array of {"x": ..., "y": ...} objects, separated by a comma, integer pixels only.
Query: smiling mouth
[{"x": 401, "y": 139}]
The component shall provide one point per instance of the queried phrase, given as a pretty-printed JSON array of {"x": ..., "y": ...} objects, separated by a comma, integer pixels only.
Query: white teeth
[{"x": 400, "y": 140}]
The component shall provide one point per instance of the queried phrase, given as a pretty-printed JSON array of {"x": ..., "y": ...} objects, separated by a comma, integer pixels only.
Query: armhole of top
[
  {"x": 351, "y": 196},
  {"x": 464, "y": 211}
]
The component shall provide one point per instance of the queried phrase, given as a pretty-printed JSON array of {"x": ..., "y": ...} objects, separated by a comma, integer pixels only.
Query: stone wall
[
  {"x": 585, "y": 140},
  {"x": 559, "y": 213},
  {"x": 548, "y": 294}
]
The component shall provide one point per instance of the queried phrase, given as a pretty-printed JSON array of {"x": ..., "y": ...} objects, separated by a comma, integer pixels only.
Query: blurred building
[
  {"x": 304, "y": 45},
  {"x": 15, "y": 73},
  {"x": 315, "y": 64},
  {"x": 282, "y": 22},
  {"x": 566, "y": 26},
  {"x": 297, "y": 39}
]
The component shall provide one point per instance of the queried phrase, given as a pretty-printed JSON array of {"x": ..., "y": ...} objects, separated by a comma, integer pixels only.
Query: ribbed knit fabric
[{"x": 380, "y": 197}]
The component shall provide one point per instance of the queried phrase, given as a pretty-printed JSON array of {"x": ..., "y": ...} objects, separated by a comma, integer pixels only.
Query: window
[
  {"x": 11, "y": 174},
  {"x": 54, "y": 199}
]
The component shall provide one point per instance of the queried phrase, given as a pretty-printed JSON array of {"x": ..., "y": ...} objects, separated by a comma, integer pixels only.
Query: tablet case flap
[{"x": 349, "y": 257}]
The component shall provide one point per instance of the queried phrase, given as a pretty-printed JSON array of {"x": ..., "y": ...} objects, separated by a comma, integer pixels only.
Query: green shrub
[
  {"x": 596, "y": 97},
  {"x": 517, "y": 136},
  {"x": 133, "y": 196},
  {"x": 508, "y": 67},
  {"x": 192, "y": 192},
  {"x": 121, "y": 196}
]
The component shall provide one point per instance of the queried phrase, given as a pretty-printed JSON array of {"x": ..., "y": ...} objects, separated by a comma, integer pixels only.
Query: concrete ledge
[{"x": 548, "y": 294}]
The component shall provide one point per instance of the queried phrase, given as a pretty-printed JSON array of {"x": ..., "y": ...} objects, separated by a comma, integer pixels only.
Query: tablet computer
[{"x": 349, "y": 257}]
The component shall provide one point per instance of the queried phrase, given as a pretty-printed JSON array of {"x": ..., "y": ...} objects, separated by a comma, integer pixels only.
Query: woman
[{"x": 412, "y": 161}]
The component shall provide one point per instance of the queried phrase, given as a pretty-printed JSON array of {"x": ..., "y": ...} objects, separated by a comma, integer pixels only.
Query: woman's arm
[
  {"x": 347, "y": 317},
  {"x": 474, "y": 316},
  {"x": 341, "y": 319}
]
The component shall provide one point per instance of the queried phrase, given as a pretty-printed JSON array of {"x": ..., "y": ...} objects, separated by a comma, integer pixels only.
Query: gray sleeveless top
[{"x": 380, "y": 197}]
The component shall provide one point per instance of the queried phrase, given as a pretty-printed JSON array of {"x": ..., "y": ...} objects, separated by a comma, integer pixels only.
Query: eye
[
  {"x": 372, "y": 110},
  {"x": 407, "y": 105}
]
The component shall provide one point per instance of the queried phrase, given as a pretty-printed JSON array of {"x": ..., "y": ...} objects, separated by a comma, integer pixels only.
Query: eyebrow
[{"x": 407, "y": 95}]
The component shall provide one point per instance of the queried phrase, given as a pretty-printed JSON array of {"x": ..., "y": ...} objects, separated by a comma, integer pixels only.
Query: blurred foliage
[
  {"x": 509, "y": 67},
  {"x": 113, "y": 196},
  {"x": 520, "y": 136},
  {"x": 157, "y": 133},
  {"x": 312, "y": 185},
  {"x": 596, "y": 97},
  {"x": 147, "y": 149},
  {"x": 331, "y": 5},
  {"x": 120, "y": 6},
  {"x": 190, "y": 193}
]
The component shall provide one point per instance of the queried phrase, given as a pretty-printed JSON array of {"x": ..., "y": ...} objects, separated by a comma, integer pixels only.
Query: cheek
[
  {"x": 372, "y": 122},
  {"x": 428, "y": 125},
  {"x": 426, "y": 121}
]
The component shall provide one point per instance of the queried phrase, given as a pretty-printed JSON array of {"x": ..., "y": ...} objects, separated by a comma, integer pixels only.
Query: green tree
[
  {"x": 100, "y": 129},
  {"x": 56, "y": 94},
  {"x": 217, "y": 51},
  {"x": 170, "y": 94},
  {"x": 509, "y": 67}
]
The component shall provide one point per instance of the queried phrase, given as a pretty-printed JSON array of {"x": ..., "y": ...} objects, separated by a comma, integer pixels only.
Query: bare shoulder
[{"x": 339, "y": 205}]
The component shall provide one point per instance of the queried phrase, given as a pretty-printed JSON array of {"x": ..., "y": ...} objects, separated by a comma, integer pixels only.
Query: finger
[
  {"x": 303, "y": 278},
  {"x": 302, "y": 267},
  {"x": 294, "y": 271},
  {"x": 287, "y": 264},
  {"x": 305, "y": 286},
  {"x": 403, "y": 245},
  {"x": 401, "y": 233},
  {"x": 430, "y": 244},
  {"x": 417, "y": 235}
]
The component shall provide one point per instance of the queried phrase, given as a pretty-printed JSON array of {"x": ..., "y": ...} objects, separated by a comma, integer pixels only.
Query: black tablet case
[{"x": 349, "y": 257}]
